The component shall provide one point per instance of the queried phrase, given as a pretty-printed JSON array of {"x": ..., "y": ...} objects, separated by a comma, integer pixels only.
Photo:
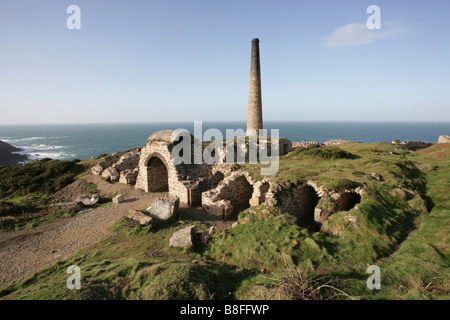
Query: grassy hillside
[
  {"x": 26, "y": 190},
  {"x": 402, "y": 226}
]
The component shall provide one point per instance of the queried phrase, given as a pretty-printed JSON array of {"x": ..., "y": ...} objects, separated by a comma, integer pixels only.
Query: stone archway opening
[
  {"x": 157, "y": 175},
  {"x": 347, "y": 201},
  {"x": 239, "y": 193},
  {"x": 301, "y": 202}
]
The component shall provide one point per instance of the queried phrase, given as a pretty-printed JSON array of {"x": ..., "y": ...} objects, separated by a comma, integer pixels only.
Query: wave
[
  {"x": 51, "y": 155},
  {"x": 42, "y": 147},
  {"x": 28, "y": 139},
  {"x": 38, "y": 151}
]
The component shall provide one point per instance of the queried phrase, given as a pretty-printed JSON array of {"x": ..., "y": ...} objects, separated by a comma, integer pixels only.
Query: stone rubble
[{"x": 119, "y": 167}]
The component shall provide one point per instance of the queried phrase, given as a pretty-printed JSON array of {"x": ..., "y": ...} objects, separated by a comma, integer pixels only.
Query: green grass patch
[{"x": 402, "y": 225}]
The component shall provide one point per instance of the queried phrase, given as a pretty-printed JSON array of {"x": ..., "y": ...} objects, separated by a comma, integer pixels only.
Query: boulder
[
  {"x": 444, "y": 139},
  {"x": 111, "y": 173},
  {"x": 139, "y": 216},
  {"x": 163, "y": 209},
  {"x": 118, "y": 199},
  {"x": 205, "y": 235},
  {"x": 183, "y": 238},
  {"x": 88, "y": 200},
  {"x": 97, "y": 170}
]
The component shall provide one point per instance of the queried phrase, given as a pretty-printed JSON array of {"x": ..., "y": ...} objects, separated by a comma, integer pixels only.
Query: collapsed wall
[
  {"x": 119, "y": 167},
  {"x": 236, "y": 192}
]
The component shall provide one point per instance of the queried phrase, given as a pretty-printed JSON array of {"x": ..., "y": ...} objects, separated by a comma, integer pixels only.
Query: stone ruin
[
  {"x": 119, "y": 167},
  {"x": 220, "y": 189}
]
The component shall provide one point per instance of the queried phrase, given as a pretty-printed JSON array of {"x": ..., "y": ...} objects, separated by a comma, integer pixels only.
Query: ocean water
[{"x": 84, "y": 141}]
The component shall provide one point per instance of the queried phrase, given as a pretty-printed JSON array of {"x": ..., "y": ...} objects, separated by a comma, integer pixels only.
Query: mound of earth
[{"x": 70, "y": 193}]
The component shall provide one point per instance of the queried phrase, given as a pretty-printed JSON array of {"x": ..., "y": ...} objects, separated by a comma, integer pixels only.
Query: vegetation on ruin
[{"x": 402, "y": 226}]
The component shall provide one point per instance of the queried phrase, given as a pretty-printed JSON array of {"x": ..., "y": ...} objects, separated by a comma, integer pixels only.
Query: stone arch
[
  {"x": 347, "y": 201},
  {"x": 301, "y": 202},
  {"x": 157, "y": 173},
  {"x": 238, "y": 191}
]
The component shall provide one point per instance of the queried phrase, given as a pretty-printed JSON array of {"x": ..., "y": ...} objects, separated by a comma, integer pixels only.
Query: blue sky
[{"x": 146, "y": 61}]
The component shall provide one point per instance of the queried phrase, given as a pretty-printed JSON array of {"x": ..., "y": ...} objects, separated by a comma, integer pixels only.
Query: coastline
[{"x": 10, "y": 155}]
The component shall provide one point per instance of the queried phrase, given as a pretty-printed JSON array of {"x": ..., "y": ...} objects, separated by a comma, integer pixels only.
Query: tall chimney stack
[{"x": 254, "y": 116}]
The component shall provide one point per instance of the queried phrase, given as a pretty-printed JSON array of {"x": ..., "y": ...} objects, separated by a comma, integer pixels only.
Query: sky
[{"x": 186, "y": 60}]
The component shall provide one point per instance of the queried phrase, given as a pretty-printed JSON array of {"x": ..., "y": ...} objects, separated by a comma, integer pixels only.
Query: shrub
[
  {"x": 327, "y": 153},
  {"x": 44, "y": 176}
]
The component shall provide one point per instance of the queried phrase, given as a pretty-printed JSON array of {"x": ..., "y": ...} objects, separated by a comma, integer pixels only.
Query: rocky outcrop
[
  {"x": 9, "y": 155},
  {"x": 444, "y": 139},
  {"x": 412, "y": 144}
]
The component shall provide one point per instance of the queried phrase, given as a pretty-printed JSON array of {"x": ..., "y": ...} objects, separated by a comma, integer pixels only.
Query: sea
[{"x": 83, "y": 141}]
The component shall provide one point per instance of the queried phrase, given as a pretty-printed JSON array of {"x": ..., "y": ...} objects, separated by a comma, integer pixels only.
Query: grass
[
  {"x": 134, "y": 265},
  {"x": 26, "y": 190},
  {"x": 402, "y": 226},
  {"x": 419, "y": 269}
]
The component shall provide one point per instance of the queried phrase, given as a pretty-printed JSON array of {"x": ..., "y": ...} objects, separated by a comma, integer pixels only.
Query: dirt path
[{"x": 24, "y": 252}]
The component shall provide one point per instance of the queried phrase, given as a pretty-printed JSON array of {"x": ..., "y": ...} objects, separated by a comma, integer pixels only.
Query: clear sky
[{"x": 186, "y": 60}]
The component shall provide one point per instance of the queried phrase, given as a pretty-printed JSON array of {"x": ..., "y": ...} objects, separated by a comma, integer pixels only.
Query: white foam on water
[
  {"x": 36, "y": 147},
  {"x": 51, "y": 155},
  {"x": 28, "y": 139}
]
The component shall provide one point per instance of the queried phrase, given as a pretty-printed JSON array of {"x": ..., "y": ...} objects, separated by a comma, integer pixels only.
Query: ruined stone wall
[
  {"x": 300, "y": 201},
  {"x": 312, "y": 203},
  {"x": 238, "y": 189},
  {"x": 121, "y": 166}
]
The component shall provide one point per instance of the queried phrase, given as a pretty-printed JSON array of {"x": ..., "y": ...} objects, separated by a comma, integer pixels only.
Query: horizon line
[{"x": 218, "y": 121}]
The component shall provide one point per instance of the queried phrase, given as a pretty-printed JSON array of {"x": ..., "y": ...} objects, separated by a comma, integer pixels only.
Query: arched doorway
[
  {"x": 157, "y": 175},
  {"x": 347, "y": 201},
  {"x": 238, "y": 192},
  {"x": 300, "y": 202}
]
